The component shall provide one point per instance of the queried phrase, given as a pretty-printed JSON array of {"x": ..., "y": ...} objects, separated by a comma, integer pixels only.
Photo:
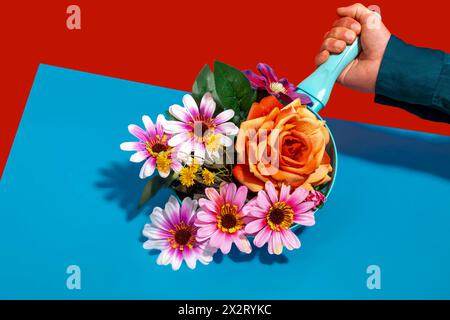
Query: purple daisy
[
  {"x": 280, "y": 88},
  {"x": 172, "y": 231},
  {"x": 152, "y": 147},
  {"x": 197, "y": 129}
]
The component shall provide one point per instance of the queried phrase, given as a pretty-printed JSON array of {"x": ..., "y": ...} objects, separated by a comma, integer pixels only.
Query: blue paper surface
[{"x": 68, "y": 197}]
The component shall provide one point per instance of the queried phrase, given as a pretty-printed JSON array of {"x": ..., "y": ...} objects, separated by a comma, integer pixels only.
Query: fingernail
[
  {"x": 355, "y": 27},
  {"x": 339, "y": 45},
  {"x": 349, "y": 35}
]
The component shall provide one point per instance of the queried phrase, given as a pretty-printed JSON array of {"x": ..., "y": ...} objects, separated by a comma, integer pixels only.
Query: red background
[{"x": 166, "y": 43}]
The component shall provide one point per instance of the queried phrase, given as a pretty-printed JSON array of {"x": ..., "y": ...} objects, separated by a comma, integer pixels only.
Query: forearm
[{"x": 415, "y": 79}]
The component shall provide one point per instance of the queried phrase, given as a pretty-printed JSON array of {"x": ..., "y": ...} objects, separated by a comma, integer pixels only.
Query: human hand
[{"x": 357, "y": 20}]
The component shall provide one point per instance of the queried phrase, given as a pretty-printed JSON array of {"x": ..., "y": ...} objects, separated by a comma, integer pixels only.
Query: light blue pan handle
[{"x": 319, "y": 84}]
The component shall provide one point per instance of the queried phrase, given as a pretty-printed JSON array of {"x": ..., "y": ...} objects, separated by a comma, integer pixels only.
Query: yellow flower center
[
  {"x": 201, "y": 126},
  {"x": 280, "y": 215},
  {"x": 277, "y": 87},
  {"x": 229, "y": 220},
  {"x": 187, "y": 176},
  {"x": 163, "y": 162},
  {"x": 183, "y": 235},
  {"x": 213, "y": 142},
  {"x": 208, "y": 177},
  {"x": 156, "y": 146}
]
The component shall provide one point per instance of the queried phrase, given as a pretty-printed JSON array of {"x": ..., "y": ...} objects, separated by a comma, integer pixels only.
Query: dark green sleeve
[{"x": 415, "y": 79}]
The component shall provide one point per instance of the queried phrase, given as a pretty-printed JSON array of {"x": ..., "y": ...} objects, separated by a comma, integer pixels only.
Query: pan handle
[{"x": 319, "y": 84}]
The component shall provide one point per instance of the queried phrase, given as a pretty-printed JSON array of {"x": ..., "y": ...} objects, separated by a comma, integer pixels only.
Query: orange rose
[{"x": 282, "y": 145}]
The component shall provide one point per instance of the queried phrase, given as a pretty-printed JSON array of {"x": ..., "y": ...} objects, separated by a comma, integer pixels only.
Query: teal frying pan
[{"x": 318, "y": 87}]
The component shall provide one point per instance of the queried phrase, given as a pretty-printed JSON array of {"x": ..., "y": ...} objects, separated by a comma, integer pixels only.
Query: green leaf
[
  {"x": 233, "y": 88},
  {"x": 153, "y": 185},
  {"x": 203, "y": 83},
  {"x": 169, "y": 116}
]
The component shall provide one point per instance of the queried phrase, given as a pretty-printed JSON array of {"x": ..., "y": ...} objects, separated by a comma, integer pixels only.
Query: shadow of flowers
[{"x": 122, "y": 184}]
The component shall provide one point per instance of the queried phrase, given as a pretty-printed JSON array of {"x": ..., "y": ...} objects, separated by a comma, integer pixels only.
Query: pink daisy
[
  {"x": 271, "y": 214},
  {"x": 173, "y": 232},
  {"x": 197, "y": 129},
  {"x": 221, "y": 219},
  {"x": 152, "y": 147}
]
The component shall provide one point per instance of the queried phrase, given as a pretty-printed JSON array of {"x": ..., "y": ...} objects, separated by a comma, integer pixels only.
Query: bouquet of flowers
[{"x": 246, "y": 159}]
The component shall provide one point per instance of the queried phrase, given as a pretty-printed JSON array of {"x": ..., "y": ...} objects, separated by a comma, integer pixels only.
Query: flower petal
[
  {"x": 216, "y": 239},
  {"x": 271, "y": 192},
  {"x": 188, "y": 209},
  {"x": 158, "y": 219},
  {"x": 153, "y": 232},
  {"x": 224, "y": 116},
  {"x": 164, "y": 174},
  {"x": 184, "y": 151},
  {"x": 147, "y": 168},
  {"x": 226, "y": 141},
  {"x": 172, "y": 210},
  {"x": 205, "y": 232},
  {"x": 263, "y": 200},
  {"x": 208, "y": 206},
  {"x": 165, "y": 257},
  {"x": 177, "y": 259},
  {"x": 175, "y": 127},
  {"x": 137, "y": 132},
  {"x": 305, "y": 219},
  {"x": 156, "y": 244},
  {"x": 255, "y": 226},
  {"x": 256, "y": 81},
  {"x": 199, "y": 152},
  {"x": 262, "y": 237},
  {"x": 190, "y": 257},
  {"x": 304, "y": 207},
  {"x": 240, "y": 197},
  {"x": 226, "y": 244},
  {"x": 132, "y": 146},
  {"x": 242, "y": 243},
  {"x": 267, "y": 72},
  {"x": 214, "y": 196},
  {"x": 254, "y": 211},
  {"x": 290, "y": 240},
  {"x": 179, "y": 113},
  {"x": 190, "y": 105},
  {"x": 284, "y": 193},
  {"x": 230, "y": 193},
  {"x": 227, "y": 128},
  {"x": 160, "y": 125},
  {"x": 139, "y": 156},
  {"x": 176, "y": 165},
  {"x": 207, "y": 106},
  {"x": 149, "y": 126},
  {"x": 277, "y": 244},
  {"x": 298, "y": 196}
]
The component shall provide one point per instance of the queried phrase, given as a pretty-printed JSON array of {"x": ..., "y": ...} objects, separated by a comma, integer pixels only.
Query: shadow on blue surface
[
  {"x": 122, "y": 184},
  {"x": 418, "y": 151},
  {"x": 426, "y": 153},
  {"x": 261, "y": 253}
]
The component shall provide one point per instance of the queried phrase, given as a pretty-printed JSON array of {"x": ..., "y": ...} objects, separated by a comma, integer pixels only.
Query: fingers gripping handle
[{"x": 320, "y": 83}]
